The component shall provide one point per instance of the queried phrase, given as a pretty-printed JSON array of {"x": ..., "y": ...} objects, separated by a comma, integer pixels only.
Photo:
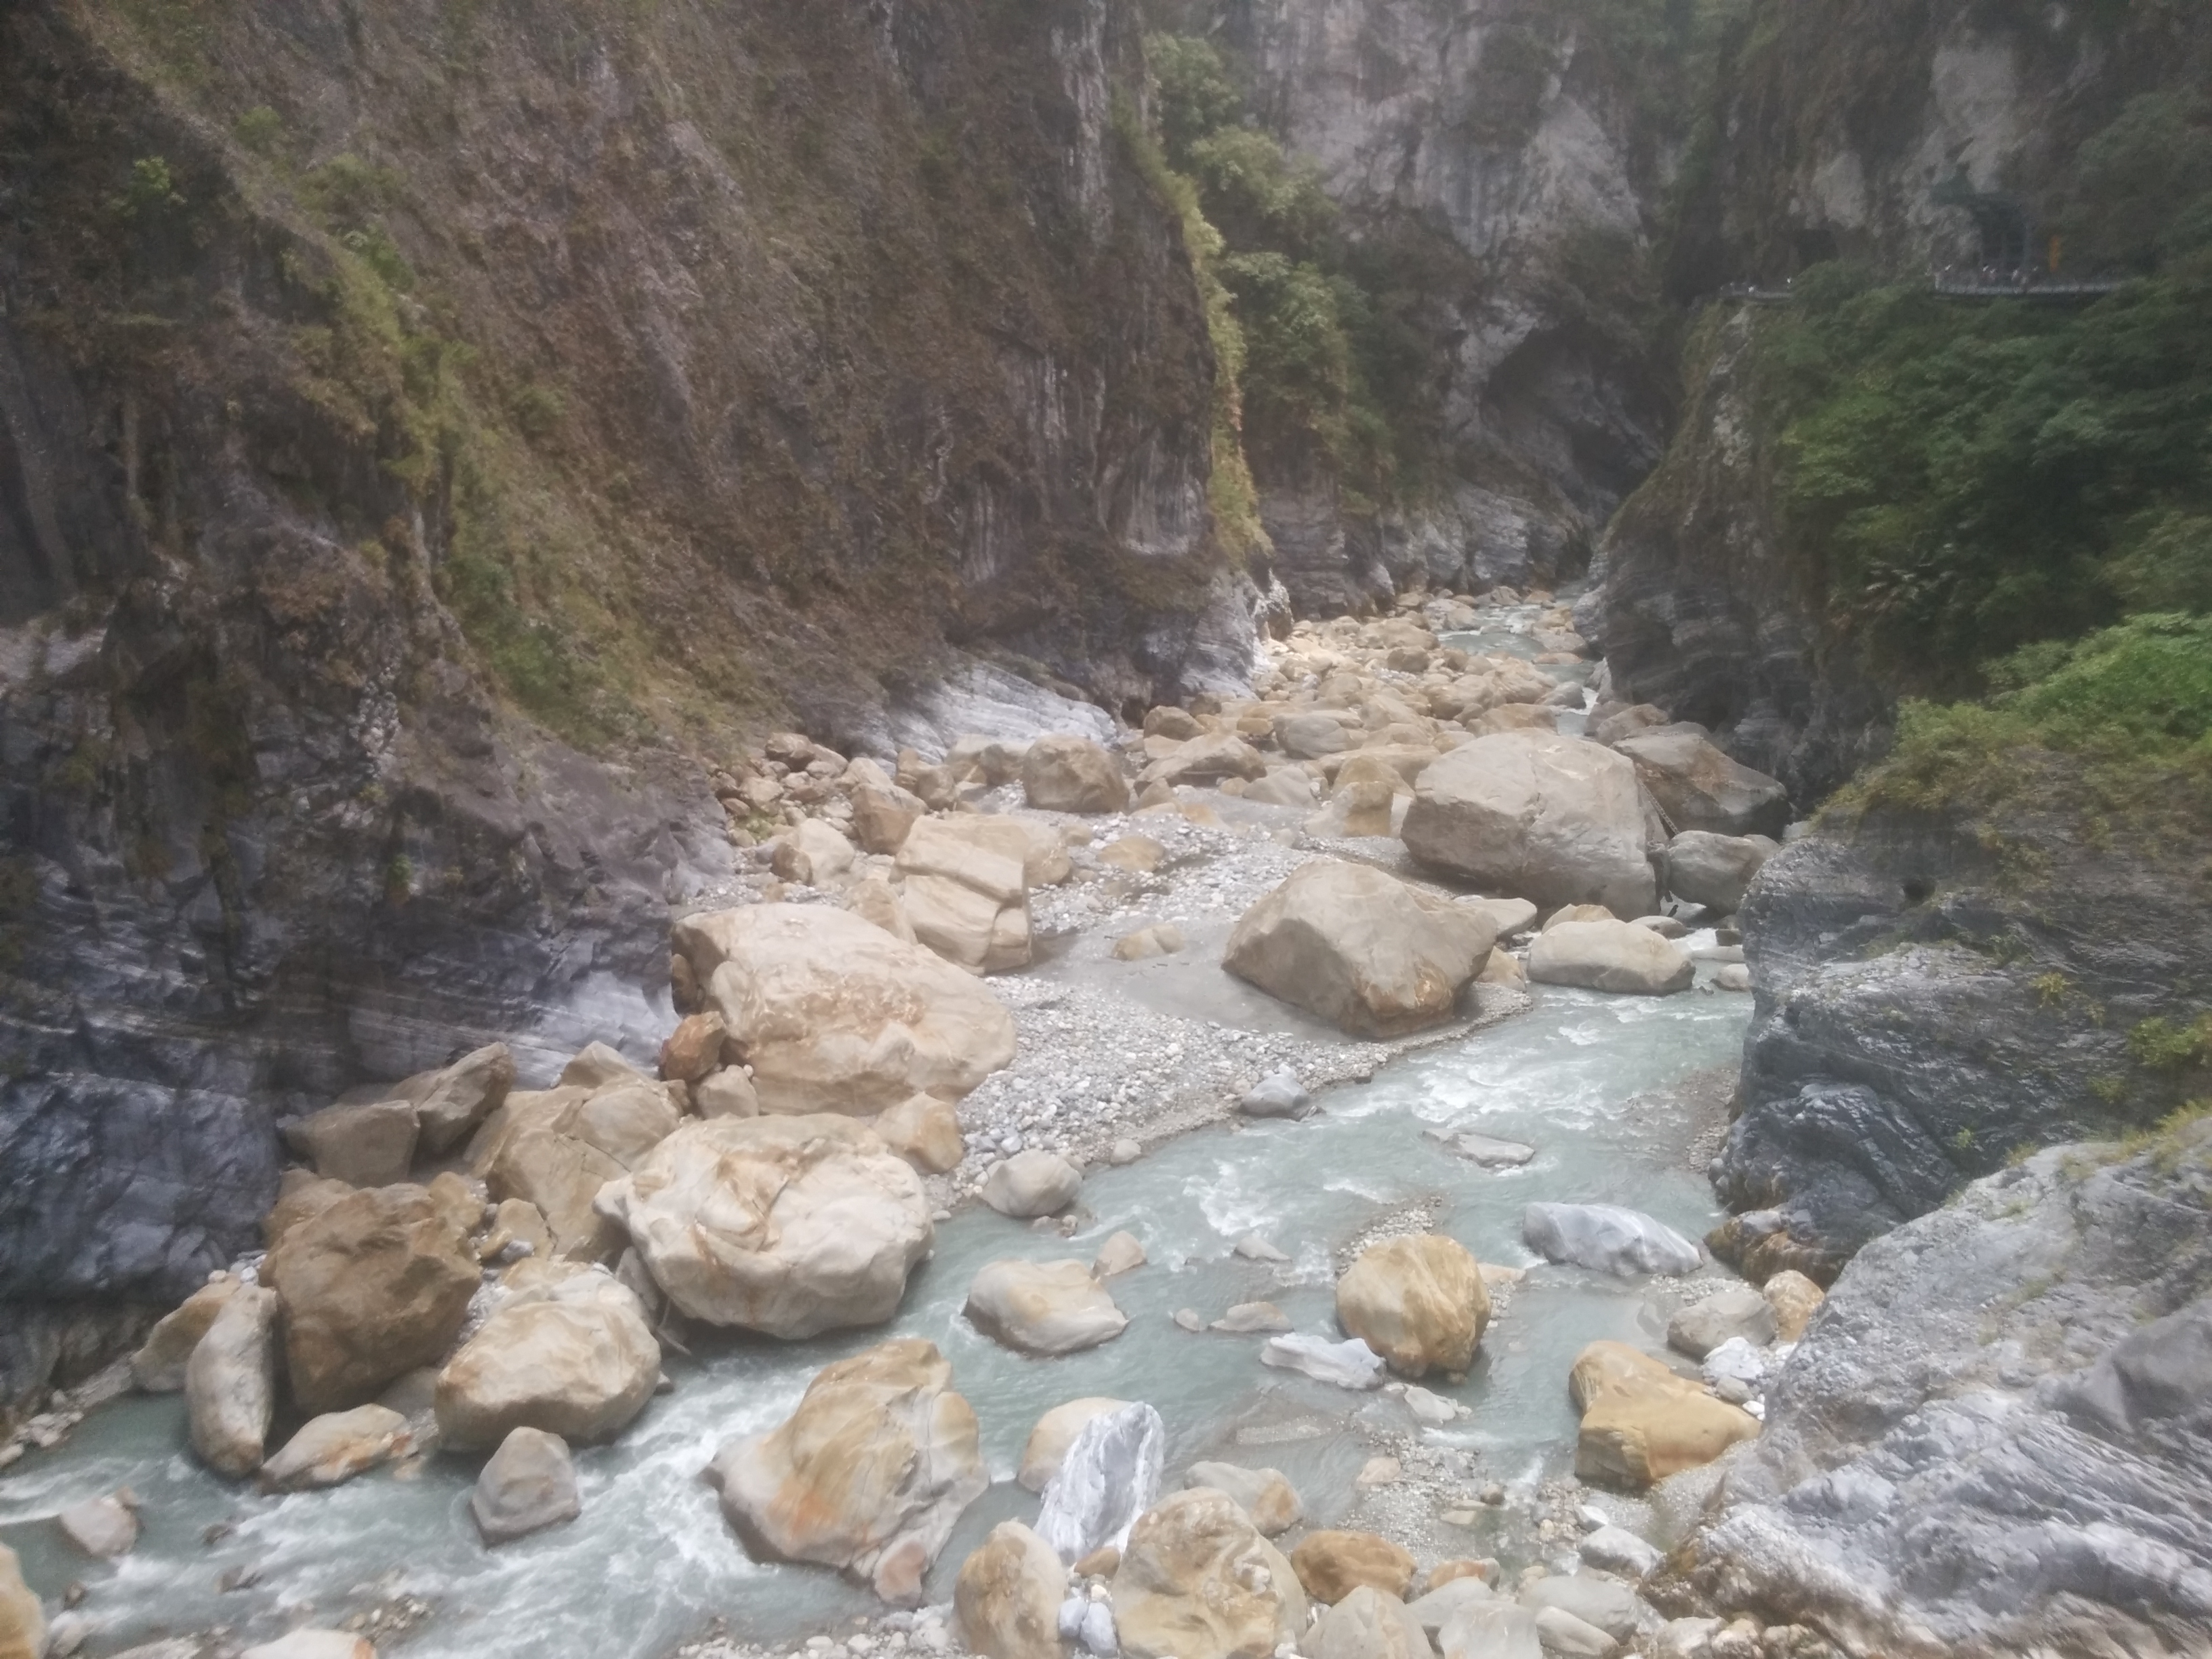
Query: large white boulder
[
  {"x": 868, "y": 1475},
  {"x": 967, "y": 889},
  {"x": 1610, "y": 955},
  {"x": 1361, "y": 949},
  {"x": 1535, "y": 814},
  {"x": 787, "y": 1226},
  {"x": 1042, "y": 1307},
  {"x": 835, "y": 1015}
]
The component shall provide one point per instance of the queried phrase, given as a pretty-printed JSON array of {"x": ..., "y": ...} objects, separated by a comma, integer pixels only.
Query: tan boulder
[
  {"x": 299, "y": 1195},
  {"x": 574, "y": 1357},
  {"x": 883, "y": 815},
  {"x": 1197, "y": 1581},
  {"x": 598, "y": 1066},
  {"x": 1072, "y": 775},
  {"x": 787, "y": 1226},
  {"x": 1285, "y": 785},
  {"x": 1206, "y": 759},
  {"x": 868, "y": 1475},
  {"x": 1120, "y": 1254},
  {"x": 22, "y": 1620},
  {"x": 1642, "y": 1423},
  {"x": 1140, "y": 854},
  {"x": 1610, "y": 955},
  {"x": 560, "y": 1177},
  {"x": 1162, "y": 939},
  {"x": 528, "y": 1485},
  {"x": 370, "y": 1144},
  {"x": 516, "y": 1225},
  {"x": 1503, "y": 968},
  {"x": 1360, "y": 949},
  {"x": 1055, "y": 1431},
  {"x": 877, "y": 902},
  {"x": 158, "y": 1367},
  {"x": 450, "y": 1101},
  {"x": 694, "y": 1048},
  {"x": 336, "y": 1447},
  {"x": 834, "y": 1014},
  {"x": 1567, "y": 913},
  {"x": 925, "y": 1130},
  {"x": 462, "y": 1199},
  {"x": 1511, "y": 916},
  {"x": 811, "y": 853},
  {"x": 1009, "y": 1592},
  {"x": 1370, "y": 1624},
  {"x": 1042, "y": 1307},
  {"x": 1176, "y": 725},
  {"x": 376, "y": 1285},
  {"x": 1420, "y": 1302},
  {"x": 728, "y": 1093},
  {"x": 967, "y": 890},
  {"x": 1794, "y": 1299},
  {"x": 1331, "y": 1565},
  {"x": 230, "y": 1383},
  {"x": 1266, "y": 1495},
  {"x": 1549, "y": 818}
]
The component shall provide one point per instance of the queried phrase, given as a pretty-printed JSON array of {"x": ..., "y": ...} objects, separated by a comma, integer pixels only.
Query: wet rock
[
  {"x": 1610, "y": 955},
  {"x": 1794, "y": 1300},
  {"x": 1606, "y": 1239},
  {"x": 230, "y": 1383},
  {"x": 104, "y": 1527},
  {"x": 1370, "y": 1624},
  {"x": 1253, "y": 1248},
  {"x": 1109, "y": 1476},
  {"x": 374, "y": 1286},
  {"x": 1429, "y": 1408},
  {"x": 1348, "y": 1364},
  {"x": 835, "y": 1015},
  {"x": 1042, "y": 1307},
  {"x": 1698, "y": 787},
  {"x": 1032, "y": 1183},
  {"x": 1331, "y": 1563},
  {"x": 1009, "y": 1594},
  {"x": 573, "y": 1356},
  {"x": 1120, "y": 1254},
  {"x": 158, "y": 1367},
  {"x": 1716, "y": 871},
  {"x": 1641, "y": 1423},
  {"x": 1266, "y": 1495},
  {"x": 869, "y": 1474},
  {"x": 1197, "y": 1581},
  {"x": 1738, "y": 1311},
  {"x": 787, "y": 1226},
  {"x": 1278, "y": 1094},
  {"x": 1054, "y": 1433},
  {"x": 1490, "y": 1153},
  {"x": 1732, "y": 976},
  {"x": 1072, "y": 775},
  {"x": 1420, "y": 1302},
  {"x": 1360, "y": 949},
  {"x": 1548, "y": 818},
  {"x": 336, "y": 1447},
  {"x": 1251, "y": 1318},
  {"x": 528, "y": 1485},
  {"x": 366, "y": 1146}
]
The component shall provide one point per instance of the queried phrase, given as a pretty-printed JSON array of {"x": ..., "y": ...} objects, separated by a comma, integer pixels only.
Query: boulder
[
  {"x": 230, "y": 1383},
  {"x": 1176, "y": 725},
  {"x": 373, "y": 1286},
  {"x": 1548, "y": 818},
  {"x": 1360, "y": 949},
  {"x": 462, "y": 1199},
  {"x": 1567, "y": 913},
  {"x": 1163, "y": 939},
  {"x": 1370, "y": 1624},
  {"x": 1601, "y": 1603},
  {"x": 1444, "y": 1596},
  {"x": 694, "y": 1048},
  {"x": 1246, "y": 1318},
  {"x": 1716, "y": 871},
  {"x": 787, "y": 1226},
  {"x": 528, "y": 1485},
  {"x": 1738, "y": 1311},
  {"x": 1054, "y": 1433},
  {"x": 1042, "y": 1307},
  {"x": 925, "y": 1130},
  {"x": 368, "y": 1144},
  {"x": 1008, "y": 1595},
  {"x": 967, "y": 890},
  {"x": 1794, "y": 1300},
  {"x": 573, "y": 1357},
  {"x": 1606, "y": 1239},
  {"x": 1489, "y": 1630},
  {"x": 1641, "y": 1423},
  {"x": 834, "y": 1014},
  {"x": 1420, "y": 1302},
  {"x": 1310, "y": 736},
  {"x": 1138, "y": 854},
  {"x": 1616, "y": 1549},
  {"x": 1109, "y": 1476},
  {"x": 1330, "y": 1563},
  {"x": 22, "y": 1620},
  {"x": 1286, "y": 786},
  {"x": 812, "y": 853},
  {"x": 1278, "y": 1094},
  {"x": 158, "y": 1367},
  {"x": 1266, "y": 1495},
  {"x": 1347, "y": 1365},
  {"x": 1072, "y": 775},
  {"x": 728, "y": 1093},
  {"x": 598, "y": 1066},
  {"x": 299, "y": 1195},
  {"x": 1197, "y": 1581},
  {"x": 1513, "y": 717},
  {"x": 1563, "y": 1634},
  {"x": 450, "y": 1101},
  {"x": 1699, "y": 787},
  {"x": 1610, "y": 955},
  {"x": 517, "y": 1230},
  {"x": 1509, "y": 915},
  {"x": 336, "y": 1447},
  {"x": 876, "y": 902},
  {"x": 1121, "y": 1253},
  {"x": 1206, "y": 759},
  {"x": 1032, "y": 1183},
  {"x": 308, "y": 1642},
  {"x": 560, "y": 1176},
  {"x": 102, "y": 1527},
  {"x": 882, "y": 815},
  {"x": 868, "y": 1475}
]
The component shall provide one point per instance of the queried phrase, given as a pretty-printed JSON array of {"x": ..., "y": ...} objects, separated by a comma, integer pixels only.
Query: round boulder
[
  {"x": 1419, "y": 1302},
  {"x": 574, "y": 1357},
  {"x": 1032, "y": 1183},
  {"x": 1042, "y": 1307},
  {"x": 1197, "y": 1581},
  {"x": 1008, "y": 1595}
]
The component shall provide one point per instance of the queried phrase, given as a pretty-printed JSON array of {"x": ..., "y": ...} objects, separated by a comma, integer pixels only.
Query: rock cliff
[{"x": 428, "y": 434}]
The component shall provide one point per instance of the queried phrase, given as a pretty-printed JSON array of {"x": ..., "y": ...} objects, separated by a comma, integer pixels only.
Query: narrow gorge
[{"x": 1197, "y": 828}]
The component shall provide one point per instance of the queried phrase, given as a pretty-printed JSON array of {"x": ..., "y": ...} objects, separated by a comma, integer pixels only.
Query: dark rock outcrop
[
  {"x": 1996, "y": 1435},
  {"x": 1936, "y": 991}
]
